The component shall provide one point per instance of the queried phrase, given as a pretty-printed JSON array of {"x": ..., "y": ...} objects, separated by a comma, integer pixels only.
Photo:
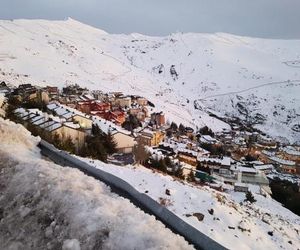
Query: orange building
[
  {"x": 84, "y": 106},
  {"x": 118, "y": 117},
  {"x": 102, "y": 106},
  {"x": 158, "y": 119},
  {"x": 89, "y": 106}
]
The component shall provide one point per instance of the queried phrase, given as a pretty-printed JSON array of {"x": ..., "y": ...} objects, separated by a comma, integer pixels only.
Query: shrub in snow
[
  {"x": 174, "y": 126},
  {"x": 191, "y": 176},
  {"x": 266, "y": 219},
  {"x": 179, "y": 173},
  {"x": 250, "y": 197},
  {"x": 140, "y": 153}
]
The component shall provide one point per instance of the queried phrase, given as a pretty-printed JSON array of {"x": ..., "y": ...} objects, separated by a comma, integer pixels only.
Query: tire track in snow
[{"x": 1, "y": 26}]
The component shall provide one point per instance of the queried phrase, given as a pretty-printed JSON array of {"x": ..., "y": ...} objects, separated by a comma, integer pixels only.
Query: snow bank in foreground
[
  {"x": 45, "y": 206},
  {"x": 269, "y": 225},
  {"x": 2, "y": 99},
  {"x": 17, "y": 141}
]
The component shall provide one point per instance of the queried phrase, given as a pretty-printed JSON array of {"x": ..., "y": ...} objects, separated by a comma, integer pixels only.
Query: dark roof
[{"x": 189, "y": 129}]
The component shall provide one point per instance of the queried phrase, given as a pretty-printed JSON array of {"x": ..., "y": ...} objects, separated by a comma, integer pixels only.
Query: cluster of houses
[
  {"x": 286, "y": 158},
  {"x": 267, "y": 150},
  {"x": 64, "y": 126},
  {"x": 70, "y": 113},
  {"x": 70, "y": 123},
  {"x": 79, "y": 105},
  {"x": 221, "y": 168},
  {"x": 117, "y": 108}
]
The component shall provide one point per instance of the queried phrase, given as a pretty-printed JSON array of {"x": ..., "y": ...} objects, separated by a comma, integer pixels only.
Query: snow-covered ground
[
  {"x": 229, "y": 210},
  {"x": 45, "y": 206},
  {"x": 256, "y": 106},
  {"x": 219, "y": 71},
  {"x": 2, "y": 102}
]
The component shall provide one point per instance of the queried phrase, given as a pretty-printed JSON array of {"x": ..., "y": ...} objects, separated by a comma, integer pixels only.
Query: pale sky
[{"x": 257, "y": 18}]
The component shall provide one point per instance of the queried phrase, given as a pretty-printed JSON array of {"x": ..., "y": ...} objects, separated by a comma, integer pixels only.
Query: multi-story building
[
  {"x": 151, "y": 137},
  {"x": 140, "y": 113},
  {"x": 187, "y": 156},
  {"x": 125, "y": 142},
  {"x": 284, "y": 165},
  {"x": 53, "y": 92},
  {"x": 142, "y": 101},
  {"x": 122, "y": 102},
  {"x": 54, "y": 125},
  {"x": 70, "y": 114},
  {"x": 158, "y": 119},
  {"x": 27, "y": 93}
]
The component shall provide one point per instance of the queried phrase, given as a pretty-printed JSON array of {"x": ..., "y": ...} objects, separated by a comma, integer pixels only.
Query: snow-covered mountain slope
[
  {"x": 175, "y": 72},
  {"x": 45, "y": 206},
  {"x": 235, "y": 224},
  {"x": 273, "y": 108}
]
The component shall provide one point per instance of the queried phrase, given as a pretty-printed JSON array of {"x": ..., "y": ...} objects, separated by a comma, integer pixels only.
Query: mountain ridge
[{"x": 66, "y": 52}]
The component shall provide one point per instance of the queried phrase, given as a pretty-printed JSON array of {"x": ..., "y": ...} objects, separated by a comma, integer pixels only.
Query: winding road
[{"x": 255, "y": 87}]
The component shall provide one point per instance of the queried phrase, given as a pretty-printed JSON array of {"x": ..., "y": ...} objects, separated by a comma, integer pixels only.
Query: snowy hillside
[
  {"x": 45, "y": 206},
  {"x": 218, "y": 71},
  {"x": 279, "y": 116},
  {"x": 227, "y": 218}
]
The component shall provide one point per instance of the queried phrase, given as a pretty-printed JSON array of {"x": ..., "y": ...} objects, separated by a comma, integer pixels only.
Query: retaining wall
[{"x": 144, "y": 202}]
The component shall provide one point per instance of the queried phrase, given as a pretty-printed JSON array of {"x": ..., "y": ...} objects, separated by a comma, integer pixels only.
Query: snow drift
[{"x": 45, "y": 206}]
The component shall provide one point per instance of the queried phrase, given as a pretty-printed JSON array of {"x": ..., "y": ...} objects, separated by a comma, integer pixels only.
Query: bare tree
[{"x": 140, "y": 153}]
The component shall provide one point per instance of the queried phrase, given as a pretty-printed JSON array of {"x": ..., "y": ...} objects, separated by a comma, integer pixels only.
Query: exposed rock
[
  {"x": 199, "y": 216},
  {"x": 265, "y": 219},
  {"x": 244, "y": 226},
  {"x": 168, "y": 192},
  {"x": 296, "y": 128},
  {"x": 241, "y": 107},
  {"x": 164, "y": 202},
  {"x": 211, "y": 211}
]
